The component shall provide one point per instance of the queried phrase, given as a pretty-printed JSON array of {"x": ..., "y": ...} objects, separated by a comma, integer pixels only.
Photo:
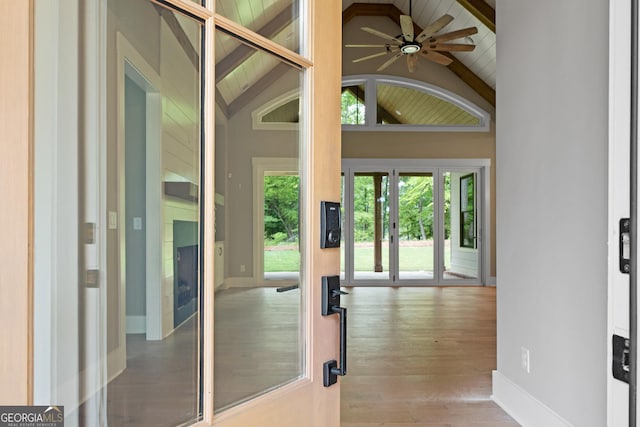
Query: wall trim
[{"x": 522, "y": 406}]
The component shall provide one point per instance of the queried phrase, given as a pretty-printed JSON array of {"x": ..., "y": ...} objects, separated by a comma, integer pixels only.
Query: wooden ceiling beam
[
  {"x": 457, "y": 67},
  {"x": 481, "y": 10}
]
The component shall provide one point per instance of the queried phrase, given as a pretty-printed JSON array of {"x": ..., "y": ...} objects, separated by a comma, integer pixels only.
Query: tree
[
  {"x": 416, "y": 207},
  {"x": 281, "y": 206}
]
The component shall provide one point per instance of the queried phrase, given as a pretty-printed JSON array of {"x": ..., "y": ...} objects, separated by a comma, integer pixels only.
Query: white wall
[{"x": 552, "y": 205}]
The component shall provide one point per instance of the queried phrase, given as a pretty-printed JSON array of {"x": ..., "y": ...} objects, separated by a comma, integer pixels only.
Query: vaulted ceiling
[{"x": 277, "y": 20}]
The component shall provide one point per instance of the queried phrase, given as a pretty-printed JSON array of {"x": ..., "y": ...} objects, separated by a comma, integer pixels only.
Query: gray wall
[
  {"x": 135, "y": 199},
  {"x": 551, "y": 150}
]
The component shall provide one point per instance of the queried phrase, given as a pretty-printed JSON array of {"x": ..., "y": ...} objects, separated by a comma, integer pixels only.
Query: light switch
[
  {"x": 113, "y": 220},
  {"x": 137, "y": 223}
]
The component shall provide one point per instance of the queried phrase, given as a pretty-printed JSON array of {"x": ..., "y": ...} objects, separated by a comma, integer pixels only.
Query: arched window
[{"x": 385, "y": 103}]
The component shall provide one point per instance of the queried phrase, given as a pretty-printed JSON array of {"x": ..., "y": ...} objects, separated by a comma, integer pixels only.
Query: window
[{"x": 385, "y": 103}]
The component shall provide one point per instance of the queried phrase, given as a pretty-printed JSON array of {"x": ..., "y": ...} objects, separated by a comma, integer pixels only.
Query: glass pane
[
  {"x": 401, "y": 105},
  {"x": 286, "y": 113},
  {"x": 281, "y": 226},
  {"x": 416, "y": 215},
  {"x": 124, "y": 317},
  {"x": 259, "y": 339},
  {"x": 353, "y": 105},
  {"x": 460, "y": 252},
  {"x": 277, "y": 20},
  {"x": 371, "y": 226}
]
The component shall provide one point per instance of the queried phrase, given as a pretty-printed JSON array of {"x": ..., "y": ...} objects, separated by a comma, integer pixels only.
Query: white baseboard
[
  {"x": 136, "y": 324},
  {"x": 523, "y": 407},
  {"x": 492, "y": 281}
]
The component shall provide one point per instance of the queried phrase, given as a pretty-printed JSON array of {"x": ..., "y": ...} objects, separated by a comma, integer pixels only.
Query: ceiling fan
[{"x": 427, "y": 44}]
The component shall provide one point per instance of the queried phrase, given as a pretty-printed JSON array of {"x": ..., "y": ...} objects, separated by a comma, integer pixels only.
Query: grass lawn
[{"x": 412, "y": 258}]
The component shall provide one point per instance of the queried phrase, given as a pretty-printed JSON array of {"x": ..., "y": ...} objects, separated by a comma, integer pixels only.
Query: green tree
[
  {"x": 416, "y": 207},
  {"x": 281, "y": 206},
  {"x": 352, "y": 107}
]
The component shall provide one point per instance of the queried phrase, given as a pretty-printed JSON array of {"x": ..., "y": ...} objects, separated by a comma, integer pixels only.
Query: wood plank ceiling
[{"x": 238, "y": 73}]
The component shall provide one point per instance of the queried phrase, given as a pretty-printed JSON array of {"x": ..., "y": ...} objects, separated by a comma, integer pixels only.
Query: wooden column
[{"x": 377, "y": 220}]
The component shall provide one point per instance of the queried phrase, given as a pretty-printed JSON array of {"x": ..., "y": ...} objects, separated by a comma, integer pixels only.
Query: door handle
[{"x": 331, "y": 305}]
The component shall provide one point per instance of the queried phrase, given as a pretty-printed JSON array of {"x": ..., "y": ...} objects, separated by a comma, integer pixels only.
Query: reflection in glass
[
  {"x": 258, "y": 330},
  {"x": 416, "y": 225},
  {"x": 277, "y": 20},
  {"x": 125, "y": 319},
  {"x": 371, "y": 226}
]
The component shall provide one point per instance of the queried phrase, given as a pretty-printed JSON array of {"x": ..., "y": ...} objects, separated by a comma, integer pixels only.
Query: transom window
[{"x": 385, "y": 103}]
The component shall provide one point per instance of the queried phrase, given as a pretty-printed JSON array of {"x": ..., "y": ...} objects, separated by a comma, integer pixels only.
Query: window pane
[
  {"x": 353, "y": 105},
  {"x": 371, "y": 226},
  {"x": 258, "y": 301},
  {"x": 277, "y": 20},
  {"x": 123, "y": 309},
  {"x": 401, "y": 105}
]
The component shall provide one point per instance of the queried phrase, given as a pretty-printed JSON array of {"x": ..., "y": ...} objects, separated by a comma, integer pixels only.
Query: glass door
[
  {"x": 413, "y": 224},
  {"x": 461, "y": 225},
  {"x": 143, "y": 142},
  {"x": 371, "y": 231},
  {"x": 416, "y": 226}
]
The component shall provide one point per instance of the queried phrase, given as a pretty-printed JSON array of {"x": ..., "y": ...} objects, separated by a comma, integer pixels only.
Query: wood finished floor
[
  {"x": 421, "y": 357},
  {"x": 418, "y": 357}
]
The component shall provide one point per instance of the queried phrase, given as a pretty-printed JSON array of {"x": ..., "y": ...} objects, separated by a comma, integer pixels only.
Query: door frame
[
  {"x": 436, "y": 166},
  {"x": 619, "y": 190},
  {"x": 261, "y": 167}
]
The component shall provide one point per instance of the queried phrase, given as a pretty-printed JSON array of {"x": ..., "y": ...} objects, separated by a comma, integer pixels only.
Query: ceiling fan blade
[
  {"x": 381, "y": 35},
  {"x": 390, "y": 61},
  {"x": 365, "y": 45},
  {"x": 454, "y": 35},
  {"x": 375, "y": 55},
  {"x": 451, "y": 47},
  {"x": 436, "y": 57},
  {"x": 406, "y": 23},
  {"x": 412, "y": 62},
  {"x": 433, "y": 28}
]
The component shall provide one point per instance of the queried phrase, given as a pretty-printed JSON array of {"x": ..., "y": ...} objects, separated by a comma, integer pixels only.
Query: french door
[{"x": 414, "y": 222}]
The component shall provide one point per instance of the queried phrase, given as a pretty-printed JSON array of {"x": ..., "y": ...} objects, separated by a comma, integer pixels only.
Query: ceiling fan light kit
[{"x": 427, "y": 44}]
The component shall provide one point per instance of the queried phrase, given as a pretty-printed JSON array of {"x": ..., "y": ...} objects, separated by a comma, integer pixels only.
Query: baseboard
[
  {"x": 523, "y": 407},
  {"x": 492, "y": 281},
  {"x": 136, "y": 324}
]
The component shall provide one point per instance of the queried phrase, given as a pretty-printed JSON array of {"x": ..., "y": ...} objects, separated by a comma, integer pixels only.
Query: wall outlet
[
  {"x": 242, "y": 268},
  {"x": 525, "y": 362}
]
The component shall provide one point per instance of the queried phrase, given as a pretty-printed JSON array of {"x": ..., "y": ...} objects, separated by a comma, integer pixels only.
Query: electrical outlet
[
  {"x": 242, "y": 268},
  {"x": 525, "y": 362}
]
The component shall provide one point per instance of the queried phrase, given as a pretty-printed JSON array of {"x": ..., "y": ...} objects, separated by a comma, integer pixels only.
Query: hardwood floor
[
  {"x": 418, "y": 357},
  {"x": 421, "y": 357}
]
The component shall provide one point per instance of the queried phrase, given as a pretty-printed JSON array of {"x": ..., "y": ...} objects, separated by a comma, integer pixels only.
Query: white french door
[{"x": 415, "y": 222}]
